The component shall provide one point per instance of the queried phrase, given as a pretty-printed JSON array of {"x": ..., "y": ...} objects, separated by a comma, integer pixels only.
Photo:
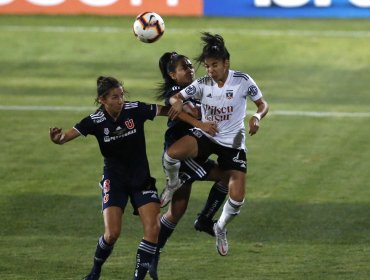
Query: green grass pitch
[{"x": 307, "y": 214}]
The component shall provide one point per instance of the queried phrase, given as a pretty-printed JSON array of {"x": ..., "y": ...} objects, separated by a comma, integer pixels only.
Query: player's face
[
  {"x": 184, "y": 73},
  {"x": 217, "y": 69},
  {"x": 114, "y": 101}
]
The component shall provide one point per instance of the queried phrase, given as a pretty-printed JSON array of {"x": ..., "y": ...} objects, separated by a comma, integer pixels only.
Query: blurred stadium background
[{"x": 308, "y": 198}]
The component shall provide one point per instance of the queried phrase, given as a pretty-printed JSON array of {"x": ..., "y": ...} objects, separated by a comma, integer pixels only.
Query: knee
[
  {"x": 111, "y": 236},
  {"x": 237, "y": 194},
  {"x": 151, "y": 232},
  {"x": 171, "y": 155},
  {"x": 176, "y": 213}
]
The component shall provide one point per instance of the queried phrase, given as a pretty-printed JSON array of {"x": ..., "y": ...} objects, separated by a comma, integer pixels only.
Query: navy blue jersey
[
  {"x": 176, "y": 128},
  {"x": 122, "y": 142}
]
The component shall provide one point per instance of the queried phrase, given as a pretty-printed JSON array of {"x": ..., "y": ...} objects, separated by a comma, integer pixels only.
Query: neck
[
  {"x": 222, "y": 81},
  {"x": 114, "y": 115}
]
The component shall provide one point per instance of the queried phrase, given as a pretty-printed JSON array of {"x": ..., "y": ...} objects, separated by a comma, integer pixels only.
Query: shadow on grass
[{"x": 275, "y": 221}]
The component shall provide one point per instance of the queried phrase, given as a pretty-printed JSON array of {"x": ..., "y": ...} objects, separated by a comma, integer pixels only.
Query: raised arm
[{"x": 59, "y": 137}]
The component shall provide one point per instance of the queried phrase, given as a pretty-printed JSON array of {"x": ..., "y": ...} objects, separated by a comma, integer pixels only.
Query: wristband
[
  {"x": 61, "y": 138},
  {"x": 257, "y": 116}
]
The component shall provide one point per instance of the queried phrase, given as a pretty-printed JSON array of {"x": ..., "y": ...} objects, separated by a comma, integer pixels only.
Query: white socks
[
  {"x": 230, "y": 210},
  {"x": 171, "y": 168}
]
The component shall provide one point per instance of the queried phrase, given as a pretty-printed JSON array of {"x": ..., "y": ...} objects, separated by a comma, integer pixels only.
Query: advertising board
[
  {"x": 103, "y": 7},
  {"x": 288, "y": 8}
]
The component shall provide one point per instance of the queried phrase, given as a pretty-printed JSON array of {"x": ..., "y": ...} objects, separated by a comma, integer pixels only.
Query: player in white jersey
[
  {"x": 225, "y": 106},
  {"x": 223, "y": 96}
]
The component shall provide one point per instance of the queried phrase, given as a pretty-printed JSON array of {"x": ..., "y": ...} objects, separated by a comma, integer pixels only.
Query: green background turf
[{"x": 307, "y": 214}]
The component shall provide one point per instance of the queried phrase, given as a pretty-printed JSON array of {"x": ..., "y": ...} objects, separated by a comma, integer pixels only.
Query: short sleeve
[
  {"x": 192, "y": 91},
  {"x": 147, "y": 111},
  {"x": 85, "y": 126},
  {"x": 253, "y": 90}
]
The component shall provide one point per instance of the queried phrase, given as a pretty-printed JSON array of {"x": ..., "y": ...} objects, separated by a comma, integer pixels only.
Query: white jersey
[{"x": 227, "y": 106}]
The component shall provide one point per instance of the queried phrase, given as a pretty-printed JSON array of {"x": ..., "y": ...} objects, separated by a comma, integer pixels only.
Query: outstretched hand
[
  {"x": 209, "y": 127},
  {"x": 56, "y": 135}
]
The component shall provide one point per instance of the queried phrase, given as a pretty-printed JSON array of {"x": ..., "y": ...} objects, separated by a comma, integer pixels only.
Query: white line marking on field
[
  {"x": 46, "y": 108},
  {"x": 243, "y": 31},
  {"x": 321, "y": 114},
  {"x": 274, "y": 113}
]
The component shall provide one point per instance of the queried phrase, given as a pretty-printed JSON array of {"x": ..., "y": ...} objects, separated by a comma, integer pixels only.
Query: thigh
[
  {"x": 149, "y": 214},
  {"x": 148, "y": 206},
  {"x": 183, "y": 148}
]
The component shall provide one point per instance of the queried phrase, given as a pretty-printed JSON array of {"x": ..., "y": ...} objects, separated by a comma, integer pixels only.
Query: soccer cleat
[
  {"x": 167, "y": 193},
  {"x": 221, "y": 240},
  {"x": 92, "y": 276},
  {"x": 204, "y": 224},
  {"x": 153, "y": 267}
]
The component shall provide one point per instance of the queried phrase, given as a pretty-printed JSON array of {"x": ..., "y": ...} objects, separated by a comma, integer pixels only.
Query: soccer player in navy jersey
[
  {"x": 177, "y": 73},
  {"x": 223, "y": 95},
  {"x": 118, "y": 126}
]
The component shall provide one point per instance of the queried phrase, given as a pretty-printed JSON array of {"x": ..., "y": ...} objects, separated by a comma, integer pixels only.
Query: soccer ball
[{"x": 148, "y": 27}]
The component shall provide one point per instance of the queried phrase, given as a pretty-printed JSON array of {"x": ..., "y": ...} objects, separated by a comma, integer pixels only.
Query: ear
[
  {"x": 172, "y": 75},
  {"x": 101, "y": 100},
  {"x": 227, "y": 63}
]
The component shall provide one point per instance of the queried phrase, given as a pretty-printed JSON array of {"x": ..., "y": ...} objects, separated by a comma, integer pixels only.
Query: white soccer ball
[{"x": 148, "y": 27}]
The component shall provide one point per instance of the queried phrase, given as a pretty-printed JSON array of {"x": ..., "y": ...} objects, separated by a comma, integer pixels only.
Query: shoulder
[
  {"x": 240, "y": 75},
  {"x": 138, "y": 107},
  {"x": 97, "y": 117},
  {"x": 172, "y": 91},
  {"x": 131, "y": 105},
  {"x": 205, "y": 80}
]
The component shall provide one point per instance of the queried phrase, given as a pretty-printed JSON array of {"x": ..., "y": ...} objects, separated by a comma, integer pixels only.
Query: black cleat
[
  {"x": 153, "y": 268},
  {"x": 204, "y": 224},
  {"x": 92, "y": 276}
]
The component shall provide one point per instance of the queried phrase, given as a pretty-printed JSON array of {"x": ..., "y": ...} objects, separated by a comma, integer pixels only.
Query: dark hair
[
  {"x": 167, "y": 64},
  {"x": 213, "y": 47},
  {"x": 105, "y": 85}
]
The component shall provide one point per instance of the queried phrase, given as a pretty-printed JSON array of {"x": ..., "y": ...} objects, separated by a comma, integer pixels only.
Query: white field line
[
  {"x": 243, "y": 31},
  {"x": 274, "y": 113}
]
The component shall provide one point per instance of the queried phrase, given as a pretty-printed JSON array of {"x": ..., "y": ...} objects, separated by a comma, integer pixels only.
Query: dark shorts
[
  {"x": 195, "y": 169},
  {"x": 227, "y": 158},
  {"x": 113, "y": 194}
]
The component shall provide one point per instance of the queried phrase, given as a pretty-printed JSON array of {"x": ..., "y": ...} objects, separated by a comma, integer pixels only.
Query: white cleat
[
  {"x": 167, "y": 193},
  {"x": 221, "y": 240}
]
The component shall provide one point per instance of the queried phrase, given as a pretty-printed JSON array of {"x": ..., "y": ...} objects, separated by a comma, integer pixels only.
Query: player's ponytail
[
  {"x": 167, "y": 64},
  {"x": 213, "y": 47}
]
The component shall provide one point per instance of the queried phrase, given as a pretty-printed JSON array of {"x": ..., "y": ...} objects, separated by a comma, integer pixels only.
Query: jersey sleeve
[
  {"x": 253, "y": 91},
  {"x": 85, "y": 126},
  {"x": 192, "y": 91},
  {"x": 147, "y": 111},
  {"x": 171, "y": 92}
]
